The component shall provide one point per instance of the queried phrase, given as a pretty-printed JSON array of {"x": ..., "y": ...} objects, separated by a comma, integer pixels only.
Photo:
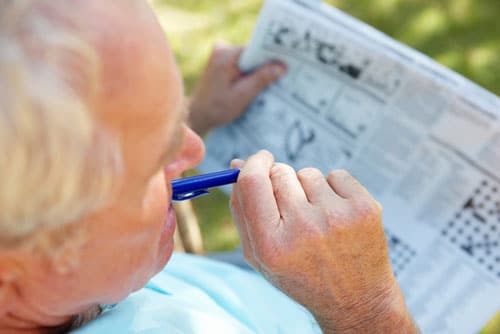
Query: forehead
[
  {"x": 141, "y": 85},
  {"x": 141, "y": 94}
]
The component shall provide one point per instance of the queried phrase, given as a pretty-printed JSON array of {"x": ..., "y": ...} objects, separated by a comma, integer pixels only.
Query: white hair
[{"x": 56, "y": 162}]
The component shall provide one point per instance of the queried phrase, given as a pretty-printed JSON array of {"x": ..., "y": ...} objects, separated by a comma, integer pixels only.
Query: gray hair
[{"x": 56, "y": 162}]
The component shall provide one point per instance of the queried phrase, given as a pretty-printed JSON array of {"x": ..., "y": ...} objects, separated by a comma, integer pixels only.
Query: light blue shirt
[{"x": 198, "y": 295}]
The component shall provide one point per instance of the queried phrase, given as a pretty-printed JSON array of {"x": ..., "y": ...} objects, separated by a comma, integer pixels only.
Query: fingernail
[
  {"x": 264, "y": 152},
  {"x": 279, "y": 70},
  {"x": 237, "y": 163}
]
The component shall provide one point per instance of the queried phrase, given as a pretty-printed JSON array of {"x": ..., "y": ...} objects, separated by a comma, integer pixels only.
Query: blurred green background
[{"x": 461, "y": 34}]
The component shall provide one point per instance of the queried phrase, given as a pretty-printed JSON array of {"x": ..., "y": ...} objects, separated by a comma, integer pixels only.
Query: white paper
[{"x": 424, "y": 140}]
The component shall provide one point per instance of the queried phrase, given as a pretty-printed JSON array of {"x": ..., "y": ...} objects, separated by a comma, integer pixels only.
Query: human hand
[
  {"x": 321, "y": 241},
  {"x": 224, "y": 92}
]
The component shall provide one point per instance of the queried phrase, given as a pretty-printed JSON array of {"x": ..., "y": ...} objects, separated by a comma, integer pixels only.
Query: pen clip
[{"x": 189, "y": 195}]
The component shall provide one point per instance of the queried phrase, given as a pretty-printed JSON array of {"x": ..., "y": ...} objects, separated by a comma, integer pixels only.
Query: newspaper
[{"x": 424, "y": 140}]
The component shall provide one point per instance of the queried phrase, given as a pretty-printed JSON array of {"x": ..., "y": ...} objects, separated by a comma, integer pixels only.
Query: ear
[
  {"x": 6, "y": 298},
  {"x": 59, "y": 249},
  {"x": 65, "y": 257},
  {"x": 9, "y": 272}
]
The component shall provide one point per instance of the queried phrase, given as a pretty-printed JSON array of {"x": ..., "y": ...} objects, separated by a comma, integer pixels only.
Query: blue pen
[{"x": 195, "y": 186}]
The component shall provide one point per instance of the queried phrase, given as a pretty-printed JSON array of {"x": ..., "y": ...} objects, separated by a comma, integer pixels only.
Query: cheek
[
  {"x": 148, "y": 241},
  {"x": 157, "y": 200},
  {"x": 123, "y": 250}
]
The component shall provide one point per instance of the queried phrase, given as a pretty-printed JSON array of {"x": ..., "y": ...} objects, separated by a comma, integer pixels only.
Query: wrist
[{"x": 385, "y": 312}]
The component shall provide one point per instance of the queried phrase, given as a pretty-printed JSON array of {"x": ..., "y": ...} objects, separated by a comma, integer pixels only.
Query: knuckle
[
  {"x": 367, "y": 210},
  {"x": 331, "y": 216},
  {"x": 310, "y": 173},
  {"x": 280, "y": 171},
  {"x": 340, "y": 174},
  {"x": 282, "y": 167},
  {"x": 316, "y": 233},
  {"x": 262, "y": 79},
  {"x": 336, "y": 221},
  {"x": 249, "y": 181}
]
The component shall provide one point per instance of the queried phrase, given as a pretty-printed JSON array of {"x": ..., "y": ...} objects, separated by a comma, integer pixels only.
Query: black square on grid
[
  {"x": 400, "y": 253},
  {"x": 475, "y": 228}
]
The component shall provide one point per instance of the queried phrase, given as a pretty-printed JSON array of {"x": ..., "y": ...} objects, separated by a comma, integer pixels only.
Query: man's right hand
[{"x": 321, "y": 241}]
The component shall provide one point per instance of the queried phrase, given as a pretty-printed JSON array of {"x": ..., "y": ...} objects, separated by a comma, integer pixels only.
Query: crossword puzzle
[
  {"x": 475, "y": 228},
  {"x": 400, "y": 253}
]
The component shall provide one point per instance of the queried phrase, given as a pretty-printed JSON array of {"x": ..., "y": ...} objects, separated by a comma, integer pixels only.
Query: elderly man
[{"x": 92, "y": 131}]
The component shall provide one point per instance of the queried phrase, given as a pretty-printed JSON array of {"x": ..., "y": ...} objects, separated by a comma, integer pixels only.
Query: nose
[{"x": 189, "y": 156}]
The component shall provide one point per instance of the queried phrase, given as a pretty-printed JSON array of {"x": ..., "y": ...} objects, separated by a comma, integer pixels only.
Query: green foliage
[
  {"x": 194, "y": 26},
  {"x": 461, "y": 34},
  {"x": 216, "y": 222}
]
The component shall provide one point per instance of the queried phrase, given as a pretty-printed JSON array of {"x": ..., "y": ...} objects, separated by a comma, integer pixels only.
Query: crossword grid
[
  {"x": 400, "y": 253},
  {"x": 475, "y": 228}
]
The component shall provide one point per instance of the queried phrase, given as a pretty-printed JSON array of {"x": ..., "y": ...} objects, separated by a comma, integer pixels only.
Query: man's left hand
[{"x": 224, "y": 92}]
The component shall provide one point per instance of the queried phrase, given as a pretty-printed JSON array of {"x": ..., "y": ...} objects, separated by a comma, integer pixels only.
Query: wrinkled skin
[{"x": 321, "y": 241}]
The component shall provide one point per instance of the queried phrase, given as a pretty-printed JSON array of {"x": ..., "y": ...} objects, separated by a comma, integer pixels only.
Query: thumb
[
  {"x": 237, "y": 163},
  {"x": 248, "y": 87}
]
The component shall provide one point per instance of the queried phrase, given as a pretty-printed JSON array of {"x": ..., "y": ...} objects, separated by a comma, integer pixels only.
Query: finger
[
  {"x": 316, "y": 186},
  {"x": 288, "y": 191},
  {"x": 256, "y": 195},
  {"x": 252, "y": 84},
  {"x": 237, "y": 212},
  {"x": 237, "y": 163},
  {"x": 246, "y": 243},
  {"x": 346, "y": 185},
  {"x": 224, "y": 54},
  {"x": 235, "y": 54}
]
